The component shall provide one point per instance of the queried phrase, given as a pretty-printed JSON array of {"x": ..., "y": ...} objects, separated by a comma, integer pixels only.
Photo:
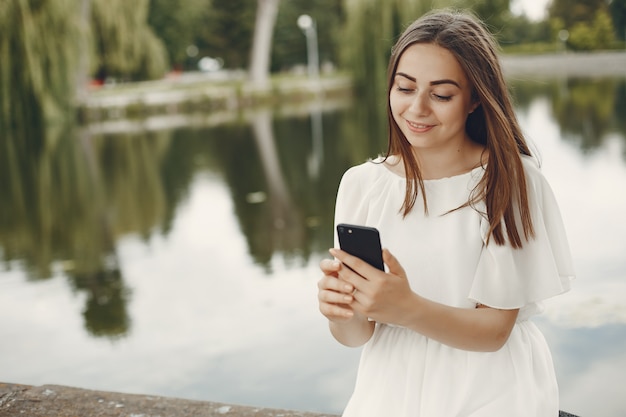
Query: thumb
[{"x": 392, "y": 263}]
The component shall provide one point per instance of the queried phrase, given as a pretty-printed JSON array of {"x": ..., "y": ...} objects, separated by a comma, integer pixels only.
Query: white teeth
[{"x": 417, "y": 126}]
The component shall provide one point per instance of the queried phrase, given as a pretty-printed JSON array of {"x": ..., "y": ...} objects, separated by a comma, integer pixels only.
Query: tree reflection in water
[
  {"x": 587, "y": 110},
  {"x": 67, "y": 195}
]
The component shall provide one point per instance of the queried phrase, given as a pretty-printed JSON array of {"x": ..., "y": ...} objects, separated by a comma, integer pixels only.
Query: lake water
[{"x": 182, "y": 261}]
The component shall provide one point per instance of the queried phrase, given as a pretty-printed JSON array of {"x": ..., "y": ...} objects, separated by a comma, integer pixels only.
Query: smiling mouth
[{"x": 418, "y": 126}]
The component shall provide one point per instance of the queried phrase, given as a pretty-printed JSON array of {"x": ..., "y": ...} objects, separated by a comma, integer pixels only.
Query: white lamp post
[
  {"x": 563, "y": 37},
  {"x": 307, "y": 24}
]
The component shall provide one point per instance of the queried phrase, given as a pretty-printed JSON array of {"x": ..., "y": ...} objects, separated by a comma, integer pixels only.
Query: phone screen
[{"x": 362, "y": 242}]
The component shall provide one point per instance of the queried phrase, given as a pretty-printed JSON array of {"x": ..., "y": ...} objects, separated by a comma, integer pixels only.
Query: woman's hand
[
  {"x": 334, "y": 295},
  {"x": 385, "y": 297}
]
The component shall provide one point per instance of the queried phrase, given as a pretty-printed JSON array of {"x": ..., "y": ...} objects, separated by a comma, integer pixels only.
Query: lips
[{"x": 418, "y": 127}]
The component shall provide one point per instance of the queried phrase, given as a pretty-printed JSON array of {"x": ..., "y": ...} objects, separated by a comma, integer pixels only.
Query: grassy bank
[{"x": 213, "y": 94}]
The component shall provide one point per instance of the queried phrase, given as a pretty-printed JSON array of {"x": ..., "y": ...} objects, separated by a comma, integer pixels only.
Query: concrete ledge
[{"x": 60, "y": 401}]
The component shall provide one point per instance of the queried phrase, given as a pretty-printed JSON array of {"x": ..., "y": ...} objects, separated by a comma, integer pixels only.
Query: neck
[{"x": 442, "y": 163}]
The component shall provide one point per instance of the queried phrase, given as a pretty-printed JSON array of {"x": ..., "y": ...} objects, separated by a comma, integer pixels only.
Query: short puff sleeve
[{"x": 509, "y": 278}]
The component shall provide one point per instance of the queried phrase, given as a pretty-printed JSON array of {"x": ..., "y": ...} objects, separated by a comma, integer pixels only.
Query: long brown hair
[{"x": 493, "y": 123}]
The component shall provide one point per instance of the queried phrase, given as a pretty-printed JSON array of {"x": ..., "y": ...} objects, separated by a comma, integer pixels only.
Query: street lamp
[
  {"x": 563, "y": 37},
  {"x": 307, "y": 24}
]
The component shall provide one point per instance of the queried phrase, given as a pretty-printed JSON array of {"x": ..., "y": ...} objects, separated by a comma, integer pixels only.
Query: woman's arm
[
  {"x": 482, "y": 329},
  {"x": 387, "y": 298},
  {"x": 334, "y": 296}
]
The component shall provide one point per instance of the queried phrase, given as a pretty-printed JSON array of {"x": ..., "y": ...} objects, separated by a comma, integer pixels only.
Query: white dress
[{"x": 403, "y": 373}]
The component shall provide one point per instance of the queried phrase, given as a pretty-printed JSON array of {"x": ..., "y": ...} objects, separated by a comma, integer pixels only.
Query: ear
[{"x": 473, "y": 107}]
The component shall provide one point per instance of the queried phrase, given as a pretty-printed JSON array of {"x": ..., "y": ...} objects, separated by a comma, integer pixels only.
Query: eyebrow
[{"x": 436, "y": 82}]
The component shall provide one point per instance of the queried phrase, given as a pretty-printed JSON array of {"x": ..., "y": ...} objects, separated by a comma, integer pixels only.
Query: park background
[{"x": 168, "y": 173}]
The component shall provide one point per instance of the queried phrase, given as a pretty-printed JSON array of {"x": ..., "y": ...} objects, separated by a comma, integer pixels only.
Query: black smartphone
[{"x": 362, "y": 242}]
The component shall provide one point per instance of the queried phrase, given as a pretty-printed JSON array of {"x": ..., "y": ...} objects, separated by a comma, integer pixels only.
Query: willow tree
[
  {"x": 39, "y": 53},
  {"x": 125, "y": 45},
  {"x": 47, "y": 46}
]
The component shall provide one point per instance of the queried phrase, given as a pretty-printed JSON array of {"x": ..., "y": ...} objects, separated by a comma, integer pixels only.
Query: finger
[
  {"x": 336, "y": 312},
  {"x": 334, "y": 297},
  {"x": 358, "y": 265},
  {"x": 334, "y": 284},
  {"x": 392, "y": 263},
  {"x": 330, "y": 266}
]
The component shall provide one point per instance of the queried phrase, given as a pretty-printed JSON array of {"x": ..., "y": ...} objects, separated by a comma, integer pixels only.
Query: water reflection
[
  {"x": 211, "y": 234},
  {"x": 586, "y": 110}
]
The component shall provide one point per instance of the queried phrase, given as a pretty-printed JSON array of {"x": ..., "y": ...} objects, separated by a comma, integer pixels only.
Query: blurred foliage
[
  {"x": 126, "y": 46},
  {"x": 68, "y": 196},
  {"x": 227, "y": 32},
  {"x": 224, "y": 29},
  {"x": 39, "y": 51},
  {"x": 598, "y": 34},
  {"x": 495, "y": 13},
  {"x": 519, "y": 31},
  {"x": 48, "y": 51},
  {"x": 178, "y": 25},
  {"x": 591, "y": 24},
  {"x": 587, "y": 110},
  {"x": 575, "y": 11},
  {"x": 289, "y": 41},
  {"x": 617, "y": 9}
]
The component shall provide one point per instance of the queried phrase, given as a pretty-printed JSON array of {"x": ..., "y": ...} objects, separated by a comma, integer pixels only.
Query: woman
[{"x": 476, "y": 236}]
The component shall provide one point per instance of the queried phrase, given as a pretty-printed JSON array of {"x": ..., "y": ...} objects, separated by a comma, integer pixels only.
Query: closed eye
[{"x": 442, "y": 98}]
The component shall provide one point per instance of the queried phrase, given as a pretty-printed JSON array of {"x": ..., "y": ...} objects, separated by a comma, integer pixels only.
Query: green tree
[
  {"x": 520, "y": 30},
  {"x": 290, "y": 43},
  {"x": 495, "y": 13},
  {"x": 38, "y": 50},
  {"x": 125, "y": 45},
  {"x": 177, "y": 24},
  {"x": 508, "y": 28},
  {"x": 48, "y": 49},
  {"x": 227, "y": 33},
  {"x": 575, "y": 11},
  {"x": 617, "y": 8},
  {"x": 598, "y": 34}
]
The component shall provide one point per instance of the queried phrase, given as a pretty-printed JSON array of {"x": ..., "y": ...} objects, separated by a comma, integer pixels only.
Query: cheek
[
  {"x": 456, "y": 115},
  {"x": 397, "y": 106}
]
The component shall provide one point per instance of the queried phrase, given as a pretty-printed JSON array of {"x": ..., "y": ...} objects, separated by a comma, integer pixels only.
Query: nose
[{"x": 419, "y": 104}]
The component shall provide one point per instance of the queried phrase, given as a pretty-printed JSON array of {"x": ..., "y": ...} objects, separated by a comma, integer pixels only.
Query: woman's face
[{"x": 430, "y": 98}]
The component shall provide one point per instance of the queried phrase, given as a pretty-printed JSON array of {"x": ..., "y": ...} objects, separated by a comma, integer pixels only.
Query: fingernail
[{"x": 332, "y": 251}]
